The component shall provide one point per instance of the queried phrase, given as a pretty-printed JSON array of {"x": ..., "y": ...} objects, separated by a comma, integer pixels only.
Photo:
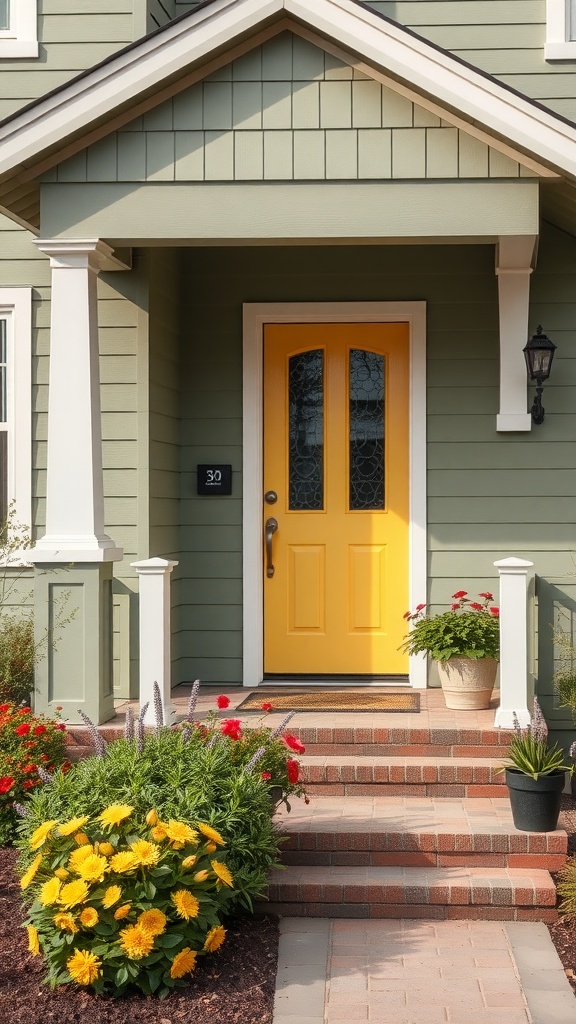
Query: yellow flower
[
  {"x": 222, "y": 873},
  {"x": 135, "y": 942},
  {"x": 125, "y": 861},
  {"x": 159, "y": 832},
  {"x": 73, "y": 893},
  {"x": 111, "y": 896},
  {"x": 186, "y": 904},
  {"x": 152, "y": 818},
  {"x": 40, "y": 835},
  {"x": 147, "y": 853},
  {"x": 122, "y": 911},
  {"x": 81, "y": 839},
  {"x": 215, "y": 938},
  {"x": 93, "y": 868},
  {"x": 66, "y": 922},
  {"x": 211, "y": 847},
  {"x": 72, "y": 826},
  {"x": 183, "y": 963},
  {"x": 83, "y": 966},
  {"x": 89, "y": 917},
  {"x": 49, "y": 892},
  {"x": 152, "y": 921},
  {"x": 62, "y": 874},
  {"x": 33, "y": 943},
  {"x": 179, "y": 834},
  {"x": 210, "y": 833},
  {"x": 106, "y": 848},
  {"x": 189, "y": 862},
  {"x": 201, "y": 876},
  {"x": 77, "y": 857},
  {"x": 114, "y": 814},
  {"x": 30, "y": 874}
]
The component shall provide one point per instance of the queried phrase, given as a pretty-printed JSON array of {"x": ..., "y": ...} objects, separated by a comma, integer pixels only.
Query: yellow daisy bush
[
  {"x": 126, "y": 860},
  {"x": 136, "y": 942},
  {"x": 49, "y": 892},
  {"x": 122, "y": 911},
  {"x": 146, "y": 853},
  {"x": 65, "y": 922},
  {"x": 215, "y": 938},
  {"x": 88, "y": 917},
  {"x": 153, "y": 921},
  {"x": 114, "y": 814},
  {"x": 180, "y": 834},
  {"x": 40, "y": 835},
  {"x": 83, "y": 967},
  {"x": 210, "y": 833},
  {"x": 183, "y": 963},
  {"x": 93, "y": 868},
  {"x": 186, "y": 904},
  {"x": 111, "y": 896},
  {"x": 30, "y": 874},
  {"x": 222, "y": 873},
  {"x": 74, "y": 825},
  {"x": 73, "y": 893}
]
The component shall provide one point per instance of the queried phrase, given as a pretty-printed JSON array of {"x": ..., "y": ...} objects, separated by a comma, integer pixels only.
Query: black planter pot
[{"x": 535, "y": 802}]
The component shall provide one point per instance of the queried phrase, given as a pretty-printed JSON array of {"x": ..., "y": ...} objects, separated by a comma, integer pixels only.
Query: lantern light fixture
[{"x": 538, "y": 353}]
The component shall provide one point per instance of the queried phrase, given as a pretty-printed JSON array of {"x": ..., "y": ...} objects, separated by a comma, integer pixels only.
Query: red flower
[
  {"x": 6, "y": 783},
  {"x": 266, "y": 776},
  {"x": 66, "y": 767},
  {"x": 477, "y": 607},
  {"x": 459, "y": 594},
  {"x": 494, "y": 611},
  {"x": 39, "y": 730},
  {"x": 222, "y": 701},
  {"x": 419, "y": 607},
  {"x": 29, "y": 743},
  {"x": 487, "y": 597},
  {"x": 44, "y": 757},
  {"x": 293, "y": 770},
  {"x": 266, "y": 706},
  {"x": 24, "y": 711},
  {"x": 231, "y": 727},
  {"x": 454, "y": 607},
  {"x": 294, "y": 743},
  {"x": 30, "y": 768},
  {"x": 23, "y": 730},
  {"x": 28, "y": 784},
  {"x": 61, "y": 726},
  {"x": 4, "y": 708}
]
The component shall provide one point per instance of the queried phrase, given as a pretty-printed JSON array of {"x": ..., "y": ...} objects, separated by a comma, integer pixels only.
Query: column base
[
  {"x": 66, "y": 549},
  {"x": 504, "y": 718}
]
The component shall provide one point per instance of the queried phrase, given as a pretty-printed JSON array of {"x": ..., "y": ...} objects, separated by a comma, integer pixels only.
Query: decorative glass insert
[
  {"x": 306, "y": 440},
  {"x": 366, "y": 430},
  {"x": 4, "y": 15}
]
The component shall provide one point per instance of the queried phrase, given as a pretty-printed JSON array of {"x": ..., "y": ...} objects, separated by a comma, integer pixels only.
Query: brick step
[
  {"x": 338, "y": 775},
  {"x": 391, "y": 741},
  {"x": 415, "y": 832},
  {"x": 502, "y": 894}
]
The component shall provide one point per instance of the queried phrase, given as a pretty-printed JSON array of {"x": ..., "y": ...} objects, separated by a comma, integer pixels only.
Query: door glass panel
[
  {"x": 306, "y": 442},
  {"x": 4, "y": 14},
  {"x": 366, "y": 430}
]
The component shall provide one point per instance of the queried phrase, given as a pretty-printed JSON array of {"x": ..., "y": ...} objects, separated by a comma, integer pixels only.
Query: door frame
[{"x": 255, "y": 316}]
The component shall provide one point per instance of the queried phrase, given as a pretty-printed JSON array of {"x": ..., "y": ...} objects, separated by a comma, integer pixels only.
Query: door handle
[{"x": 271, "y": 527}]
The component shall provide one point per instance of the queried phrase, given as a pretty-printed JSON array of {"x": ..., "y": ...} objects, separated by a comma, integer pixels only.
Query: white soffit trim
[{"x": 166, "y": 55}]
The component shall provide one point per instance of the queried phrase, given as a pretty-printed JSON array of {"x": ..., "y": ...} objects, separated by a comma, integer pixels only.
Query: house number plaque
[{"x": 214, "y": 479}]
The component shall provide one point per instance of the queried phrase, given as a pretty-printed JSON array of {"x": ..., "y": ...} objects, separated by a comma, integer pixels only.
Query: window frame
[
  {"x": 21, "y": 38},
  {"x": 559, "y": 45},
  {"x": 16, "y": 310}
]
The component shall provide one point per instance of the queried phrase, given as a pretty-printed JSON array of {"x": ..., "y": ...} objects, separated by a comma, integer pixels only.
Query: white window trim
[
  {"x": 21, "y": 38},
  {"x": 256, "y": 315},
  {"x": 16, "y": 308},
  {"x": 559, "y": 45}
]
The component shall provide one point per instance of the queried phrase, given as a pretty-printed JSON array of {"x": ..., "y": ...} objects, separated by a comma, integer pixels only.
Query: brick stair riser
[
  {"x": 327, "y": 858},
  {"x": 400, "y": 911},
  {"x": 523, "y": 844},
  {"x": 414, "y": 738},
  {"x": 403, "y": 789},
  {"x": 404, "y": 750}
]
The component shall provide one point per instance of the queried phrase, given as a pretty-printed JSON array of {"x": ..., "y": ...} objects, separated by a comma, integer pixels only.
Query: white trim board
[{"x": 255, "y": 316}]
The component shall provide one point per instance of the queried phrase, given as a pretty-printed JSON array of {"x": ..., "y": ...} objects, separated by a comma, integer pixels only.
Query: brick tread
[{"x": 401, "y": 770}]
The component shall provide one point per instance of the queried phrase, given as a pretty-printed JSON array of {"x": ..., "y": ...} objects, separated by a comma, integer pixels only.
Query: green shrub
[
  {"x": 119, "y": 899},
  {"x": 566, "y": 886},
  {"x": 27, "y": 743},
  {"x": 18, "y": 656}
]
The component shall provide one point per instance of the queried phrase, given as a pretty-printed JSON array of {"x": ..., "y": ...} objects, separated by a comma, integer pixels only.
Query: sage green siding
[{"x": 287, "y": 110}]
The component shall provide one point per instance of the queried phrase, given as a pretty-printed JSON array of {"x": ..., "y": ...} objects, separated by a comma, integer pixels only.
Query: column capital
[
  {"x": 153, "y": 566},
  {"x": 74, "y": 253}
]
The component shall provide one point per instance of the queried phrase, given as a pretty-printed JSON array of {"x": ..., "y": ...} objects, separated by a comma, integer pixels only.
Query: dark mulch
[{"x": 234, "y": 986}]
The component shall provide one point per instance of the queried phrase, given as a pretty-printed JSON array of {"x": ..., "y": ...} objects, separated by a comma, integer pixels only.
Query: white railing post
[
  {"x": 154, "y": 648},
  {"x": 513, "y": 574}
]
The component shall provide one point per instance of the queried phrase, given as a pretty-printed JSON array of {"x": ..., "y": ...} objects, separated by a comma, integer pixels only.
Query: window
[
  {"x": 16, "y": 403},
  {"x": 560, "y": 30},
  {"x": 18, "y": 28}
]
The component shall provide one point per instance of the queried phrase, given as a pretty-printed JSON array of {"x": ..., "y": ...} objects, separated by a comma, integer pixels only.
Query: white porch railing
[
  {"x": 513, "y": 574},
  {"x": 154, "y": 647}
]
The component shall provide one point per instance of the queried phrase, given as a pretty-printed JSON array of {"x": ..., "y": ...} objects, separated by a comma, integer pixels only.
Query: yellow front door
[{"x": 336, "y": 506}]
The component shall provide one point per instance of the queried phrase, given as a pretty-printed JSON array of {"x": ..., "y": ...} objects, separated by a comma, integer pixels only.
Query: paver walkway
[{"x": 420, "y": 972}]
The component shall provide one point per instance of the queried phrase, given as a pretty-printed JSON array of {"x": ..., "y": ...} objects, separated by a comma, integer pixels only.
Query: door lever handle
[{"x": 271, "y": 527}]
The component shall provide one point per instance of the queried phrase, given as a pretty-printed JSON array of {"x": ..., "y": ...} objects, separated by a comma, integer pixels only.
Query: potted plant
[
  {"x": 535, "y": 776},
  {"x": 465, "y": 643}
]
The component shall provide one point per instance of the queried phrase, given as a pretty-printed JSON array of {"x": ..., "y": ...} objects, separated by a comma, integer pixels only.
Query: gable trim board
[
  {"x": 255, "y": 316},
  {"x": 136, "y": 72}
]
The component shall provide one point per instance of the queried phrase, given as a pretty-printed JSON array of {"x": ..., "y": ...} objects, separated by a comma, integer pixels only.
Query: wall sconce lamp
[{"x": 538, "y": 353}]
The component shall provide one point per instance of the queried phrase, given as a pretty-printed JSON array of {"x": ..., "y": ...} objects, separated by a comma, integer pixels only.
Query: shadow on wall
[{"x": 555, "y": 608}]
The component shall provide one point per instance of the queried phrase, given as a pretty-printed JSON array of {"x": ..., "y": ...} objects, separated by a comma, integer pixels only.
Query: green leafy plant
[
  {"x": 119, "y": 899},
  {"x": 30, "y": 745},
  {"x": 565, "y": 673},
  {"x": 529, "y": 751},
  {"x": 566, "y": 888},
  {"x": 470, "y": 629}
]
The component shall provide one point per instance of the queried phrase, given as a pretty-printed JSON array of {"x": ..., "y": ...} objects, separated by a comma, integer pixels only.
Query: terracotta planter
[{"x": 467, "y": 682}]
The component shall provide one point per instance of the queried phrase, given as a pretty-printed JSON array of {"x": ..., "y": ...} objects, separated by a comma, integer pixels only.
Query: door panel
[{"x": 336, "y": 453}]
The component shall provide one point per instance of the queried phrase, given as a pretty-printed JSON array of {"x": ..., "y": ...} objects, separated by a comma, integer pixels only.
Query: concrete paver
[{"x": 420, "y": 972}]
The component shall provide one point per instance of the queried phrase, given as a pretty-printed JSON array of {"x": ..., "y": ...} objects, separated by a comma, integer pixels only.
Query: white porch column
[
  {"x": 74, "y": 488},
  {"x": 514, "y": 256},
  {"x": 155, "y": 664},
  {"x": 513, "y": 574}
]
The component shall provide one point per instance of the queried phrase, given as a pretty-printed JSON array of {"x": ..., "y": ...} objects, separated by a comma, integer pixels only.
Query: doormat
[{"x": 332, "y": 700}]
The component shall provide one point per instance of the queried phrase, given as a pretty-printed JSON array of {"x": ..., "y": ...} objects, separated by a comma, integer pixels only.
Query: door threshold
[{"x": 272, "y": 679}]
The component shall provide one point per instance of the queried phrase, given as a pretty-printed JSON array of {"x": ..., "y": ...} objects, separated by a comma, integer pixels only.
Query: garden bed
[
  {"x": 564, "y": 935},
  {"x": 234, "y": 986}
]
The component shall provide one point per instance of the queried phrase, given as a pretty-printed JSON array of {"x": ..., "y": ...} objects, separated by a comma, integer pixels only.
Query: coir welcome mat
[{"x": 332, "y": 700}]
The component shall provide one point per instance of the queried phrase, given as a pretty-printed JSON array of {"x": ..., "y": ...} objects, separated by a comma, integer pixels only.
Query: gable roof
[{"x": 150, "y": 70}]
